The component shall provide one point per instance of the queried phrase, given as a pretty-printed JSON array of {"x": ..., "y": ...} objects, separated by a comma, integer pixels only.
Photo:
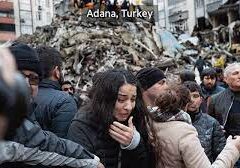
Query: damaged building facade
[
  {"x": 223, "y": 13},
  {"x": 30, "y": 14},
  {"x": 186, "y": 15},
  {"x": 7, "y": 22},
  {"x": 176, "y": 15}
]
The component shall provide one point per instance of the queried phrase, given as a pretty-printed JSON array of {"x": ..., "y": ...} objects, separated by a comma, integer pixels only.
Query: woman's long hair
[{"x": 104, "y": 95}]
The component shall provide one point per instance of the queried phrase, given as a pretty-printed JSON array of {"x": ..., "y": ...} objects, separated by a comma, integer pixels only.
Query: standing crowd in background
[{"x": 141, "y": 120}]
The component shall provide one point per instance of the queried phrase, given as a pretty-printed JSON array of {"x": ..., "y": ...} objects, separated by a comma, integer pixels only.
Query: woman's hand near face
[{"x": 122, "y": 133}]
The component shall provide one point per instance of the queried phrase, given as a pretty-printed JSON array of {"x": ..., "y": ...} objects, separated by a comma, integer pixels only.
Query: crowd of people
[
  {"x": 140, "y": 120},
  {"x": 106, "y": 5}
]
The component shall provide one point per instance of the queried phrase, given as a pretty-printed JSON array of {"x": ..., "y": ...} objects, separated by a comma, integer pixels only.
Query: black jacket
[
  {"x": 210, "y": 134},
  {"x": 200, "y": 63},
  {"x": 87, "y": 132},
  {"x": 219, "y": 105},
  {"x": 55, "y": 109}
]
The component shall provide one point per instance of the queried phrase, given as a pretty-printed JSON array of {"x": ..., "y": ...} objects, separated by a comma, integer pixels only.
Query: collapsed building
[
  {"x": 90, "y": 45},
  {"x": 225, "y": 20}
]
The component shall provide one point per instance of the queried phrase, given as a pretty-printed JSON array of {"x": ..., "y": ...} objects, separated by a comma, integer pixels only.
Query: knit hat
[
  {"x": 149, "y": 76},
  {"x": 26, "y": 58}
]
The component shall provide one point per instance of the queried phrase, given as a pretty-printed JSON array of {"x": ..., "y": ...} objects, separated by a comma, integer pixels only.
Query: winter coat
[
  {"x": 219, "y": 105},
  {"x": 200, "y": 63},
  {"x": 16, "y": 152},
  {"x": 55, "y": 109},
  {"x": 32, "y": 136},
  {"x": 210, "y": 134},
  {"x": 206, "y": 93},
  {"x": 181, "y": 148},
  {"x": 94, "y": 138}
]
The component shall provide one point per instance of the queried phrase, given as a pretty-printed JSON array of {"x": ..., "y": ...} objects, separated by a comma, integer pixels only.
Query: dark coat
[
  {"x": 200, "y": 63},
  {"x": 55, "y": 109},
  {"x": 210, "y": 134},
  {"x": 94, "y": 138},
  {"x": 220, "y": 104}
]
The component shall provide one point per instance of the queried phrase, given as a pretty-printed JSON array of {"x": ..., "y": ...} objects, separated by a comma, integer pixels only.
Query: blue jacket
[
  {"x": 215, "y": 90},
  {"x": 210, "y": 134},
  {"x": 55, "y": 108}
]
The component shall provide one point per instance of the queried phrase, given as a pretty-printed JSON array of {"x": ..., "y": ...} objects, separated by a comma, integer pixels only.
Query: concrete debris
[
  {"x": 170, "y": 44},
  {"x": 183, "y": 38},
  {"x": 92, "y": 45}
]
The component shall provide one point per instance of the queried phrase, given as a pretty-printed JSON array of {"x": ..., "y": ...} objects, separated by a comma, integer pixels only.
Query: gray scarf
[{"x": 158, "y": 116}]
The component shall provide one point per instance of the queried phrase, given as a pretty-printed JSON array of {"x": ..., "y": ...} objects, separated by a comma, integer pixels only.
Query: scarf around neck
[{"x": 158, "y": 116}]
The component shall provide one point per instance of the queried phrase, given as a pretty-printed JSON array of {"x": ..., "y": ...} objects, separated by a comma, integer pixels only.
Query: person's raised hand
[{"x": 122, "y": 133}]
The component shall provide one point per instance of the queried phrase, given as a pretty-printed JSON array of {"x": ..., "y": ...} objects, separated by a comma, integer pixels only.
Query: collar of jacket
[
  {"x": 235, "y": 94},
  {"x": 208, "y": 91},
  {"x": 47, "y": 83},
  {"x": 230, "y": 93},
  {"x": 195, "y": 116}
]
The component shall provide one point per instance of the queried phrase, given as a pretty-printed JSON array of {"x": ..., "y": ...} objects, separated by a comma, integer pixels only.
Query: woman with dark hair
[
  {"x": 112, "y": 124},
  {"x": 176, "y": 141}
]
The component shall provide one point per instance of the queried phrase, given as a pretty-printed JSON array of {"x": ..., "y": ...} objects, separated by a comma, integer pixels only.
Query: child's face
[{"x": 195, "y": 103}]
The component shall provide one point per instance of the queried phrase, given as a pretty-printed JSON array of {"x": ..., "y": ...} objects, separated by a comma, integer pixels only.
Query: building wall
[
  {"x": 200, "y": 8},
  {"x": 162, "y": 13},
  {"x": 186, "y": 13},
  {"x": 30, "y": 14},
  {"x": 192, "y": 15},
  {"x": 176, "y": 14},
  {"x": 7, "y": 22},
  {"x": 43, "y": 12}
]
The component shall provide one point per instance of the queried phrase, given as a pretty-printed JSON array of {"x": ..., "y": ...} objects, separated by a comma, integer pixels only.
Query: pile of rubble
[{"x": 90, "y": 45}]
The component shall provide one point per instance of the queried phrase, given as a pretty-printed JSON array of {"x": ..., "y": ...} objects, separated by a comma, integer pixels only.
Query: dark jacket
[
  {"x": 222, "y": 84},
  {"x": 220, "y": 104},
  {"x": 31, "y": 135},
  {"x": 210, "y": 92},
  {"x": 200, "y": 63},
  {"x": 93, "y": 137},
  {"x": 210, "y": 134},
  {"x": 55, "y": 109}
]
